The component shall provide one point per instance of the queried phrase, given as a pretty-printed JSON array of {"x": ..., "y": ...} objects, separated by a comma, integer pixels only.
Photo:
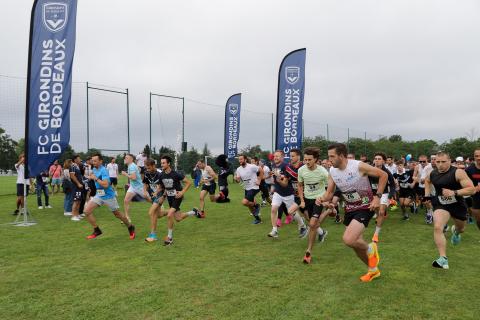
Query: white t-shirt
[
  {"x": 112, "y": 170},
  {"x": 266, "y": 174},
  {"x": 392, "y": 168},
  {"x": 248, "y": 175},
  {"x": 141, "y": 160},
  {"x": 21, "y": 175}
]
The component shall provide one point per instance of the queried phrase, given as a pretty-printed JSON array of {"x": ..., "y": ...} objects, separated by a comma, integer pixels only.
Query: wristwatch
[{"x": 378, "y": 194}]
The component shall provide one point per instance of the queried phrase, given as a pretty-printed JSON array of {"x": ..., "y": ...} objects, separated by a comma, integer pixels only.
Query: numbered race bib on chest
[
  {"x": 374, "y": 186},
  {"x": 171, "y": 193},
  {"x": 352, "y": 196},
  {"x": 100, "y": 192},
  {"x": 447, "y": 200},
  {"x": 404, "y": 185},
  {"x": 312, "y": 187}
]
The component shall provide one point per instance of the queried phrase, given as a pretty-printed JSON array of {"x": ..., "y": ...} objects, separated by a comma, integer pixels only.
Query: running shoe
[
  {"x": 152, "y": 237},
  {"x": 131, "y": 231},
  {"x": 94, "y": 234},
  {"x": 49, "y": 207},
  {"x": 76, "y": 218},
  {"x": 257, "y": 210},
  {"x": 445, "y": 228},
  {"x": 303, "y": 232},
  {"x": 405, "y": 218},
  {"x": 322, "y": 236},
  {"x": 40, "y": 207},
  {"x": 67, "y": 214},
  {"x": 428, "y": 218},
  {"x": 470, "y": 220},
  {"x": 441, "y": 263},
  {"x": 199, "y": 214},
  {"x": 273, "y": 234},
  {"x": 168, "y": 241},
  {"x": 456, "y": 237},
  {"x": 307, "y": 258},
  {"x": 338, "y": 219},
  {"x": 370, "y": 275},
  {"x": 373, "y": 256},
  {"x": 288, "y": 219},
  {"x": 279, "y": 222},
  {"x": 14, "y": 213},
  {"x": 375, "y": 238},
  {"x": 257, "y": 221}
]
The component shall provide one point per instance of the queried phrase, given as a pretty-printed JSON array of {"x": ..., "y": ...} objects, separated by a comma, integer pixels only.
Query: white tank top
[
  {"x": 206, "y": 177},
  {"x": 355, "y": 188}
]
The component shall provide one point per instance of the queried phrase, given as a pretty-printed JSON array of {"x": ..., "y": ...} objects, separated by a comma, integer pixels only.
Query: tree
[
  {"x": 8, "y": 155},
  {"x": 147, "y": 150}
]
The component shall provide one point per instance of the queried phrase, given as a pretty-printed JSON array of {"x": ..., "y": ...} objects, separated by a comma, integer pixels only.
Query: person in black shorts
[
  {"x": 171, "y": 181},
  {"x": 406, "y": 193},
  {"x": 473, "y": 172},
  {"x": 78, "y": 187},
  {"x": 224, "y": 171},
  {"x": 208, "y": 184},
  {"x": 153, "y": 193},
  {"x": 450, "y": 185}
]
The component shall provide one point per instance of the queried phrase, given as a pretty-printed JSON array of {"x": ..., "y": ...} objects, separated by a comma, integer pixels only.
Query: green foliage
[{"x": 8, "y": 154}]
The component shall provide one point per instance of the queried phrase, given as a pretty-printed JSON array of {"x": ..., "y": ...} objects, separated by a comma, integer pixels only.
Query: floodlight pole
[
  {"x": 128, "y": 119},
  {"x": 150, "y": 120},
  {"x": 88, "y": 122}
]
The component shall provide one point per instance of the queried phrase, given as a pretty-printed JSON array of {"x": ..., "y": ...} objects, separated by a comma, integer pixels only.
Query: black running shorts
[
  {"x": 362, "y": 216},
  {"x": 175, "y": 202},
  {"x": 250, "y": 194},
  {"x": 211, "y": 188}
]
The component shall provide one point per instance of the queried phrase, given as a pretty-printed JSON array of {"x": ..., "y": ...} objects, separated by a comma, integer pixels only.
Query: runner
[
  {"x": 112, "y": 168},
  {"x": 171, "y": 182},
  {"x": 312, "y": 181},
  {"x": 404, "y": 179},
  {"x": 78, "y": 187},
  {"x": 224, "y": 171},
  {"x": 250, "y": 175},
  {"x": 388, "y": 193},
  {"x": 154, "y": 194},
  {"x": 350, "y": 177},
  {"x": 421, "y": 171},
  {"x": 264, "y": 186},
  {"x": 55, "y": 173},
  {"x": 104, "y": 196},
  {"x": 136, "y": 184},
  {"x": 473, "y": 172},
  {"x": 450, "y": 185},
  {"x": 140, "y": 161},
  {"x": 208, "y": 184},
  {"x": 284, "y": 193},
  {"x": 390, "y": 165}
]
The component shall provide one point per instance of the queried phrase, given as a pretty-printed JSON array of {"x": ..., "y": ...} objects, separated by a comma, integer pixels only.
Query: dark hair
[
  {"x": 100, "y": 157},
  {"x": 256, "y": 159},
  {"x": 381, "y": 154},
  {"x": 389, "y": 157},
  {"x": 201, "y": 160},
  {"x": 340, "y": 149},
  {"x": 150, "y": 162},
  {"x": 297, "y": 151},
  {"x": 281, "y": 152},
  {"x": 443, "y": 153},
  {"x": 312, "y": 151},
  {"x": 75, "y": 156},
  {"x": 168, "y": 158},
  {"x": 399, "y": 162},
  {"x": 243, "y": 155},
  {"x": 131, "y": 155}
]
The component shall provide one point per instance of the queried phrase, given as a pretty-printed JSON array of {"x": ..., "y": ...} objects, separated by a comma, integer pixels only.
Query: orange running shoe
[
  {"x": 373, "y": 256},
  {"x": 375, "y": 238},
  {"x": 370, "y": 275},
  {"x": 307, "y": 259}
]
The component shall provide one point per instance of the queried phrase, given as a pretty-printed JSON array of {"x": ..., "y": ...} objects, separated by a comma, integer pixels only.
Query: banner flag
[
  {"x": 291, "y": 88},
  {"x": 49, "y": 82},
  {"x": 232, "y": 125}
]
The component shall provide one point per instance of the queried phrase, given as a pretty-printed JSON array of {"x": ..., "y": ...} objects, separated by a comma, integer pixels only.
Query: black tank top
[{"x": 446, "y": 180}]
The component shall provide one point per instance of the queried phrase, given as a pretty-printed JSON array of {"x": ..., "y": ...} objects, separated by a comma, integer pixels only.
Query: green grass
[
  {"x": 8, "y": 185},
  {"x": 223, "y": 267}
]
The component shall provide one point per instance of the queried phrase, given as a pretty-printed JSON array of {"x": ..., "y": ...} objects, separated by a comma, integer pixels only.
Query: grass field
[{"x": 223, "y": 267}]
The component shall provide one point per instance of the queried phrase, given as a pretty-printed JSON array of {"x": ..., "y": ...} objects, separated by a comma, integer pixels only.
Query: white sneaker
[
  {"x": 77, "y": 218},
  {"x": 67, "y": 214},
  {"x": 40, "y": 208},
  {"x": 273, "y": 234},
  {"x": 49, "y": 207},
  {"x": 82, "y": 215}
]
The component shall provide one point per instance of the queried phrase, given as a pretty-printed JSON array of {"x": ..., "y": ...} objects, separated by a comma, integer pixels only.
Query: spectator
[
  {"x": 21, "y": 182},
  {"x": 55, "y": 174},
  {"x": 42, "y": 186},
  {"x": 67, "y": 188}
]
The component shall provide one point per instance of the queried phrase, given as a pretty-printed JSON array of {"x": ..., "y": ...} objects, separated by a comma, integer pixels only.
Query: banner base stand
[{"x": 27, "y": 220}]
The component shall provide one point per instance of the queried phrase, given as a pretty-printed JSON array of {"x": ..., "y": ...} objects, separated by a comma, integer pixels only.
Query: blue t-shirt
[
  {"x": 137, "y": 183},
  {"x": 103, "y": 193},
  {"x": 282, "y": 170}
]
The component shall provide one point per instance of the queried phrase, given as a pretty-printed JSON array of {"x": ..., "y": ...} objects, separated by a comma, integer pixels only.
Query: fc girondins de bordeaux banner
[
  {"x": 291, "y": 87},
  {"x": 49, "y": 84},
  {"x": 232, "y": 125}
]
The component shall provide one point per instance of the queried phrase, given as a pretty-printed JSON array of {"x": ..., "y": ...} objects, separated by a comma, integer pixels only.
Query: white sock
[
  {"x": 377, "y": 230},
  {"x": 299, "y": 220},
  {"x": 170, "y": 233},
  {"x": 274, "y": 229},
  {"x": 190, "y": 213},
  {"x": 320, "y": 230}
]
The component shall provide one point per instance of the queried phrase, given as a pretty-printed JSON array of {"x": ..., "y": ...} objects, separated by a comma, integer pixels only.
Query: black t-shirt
[
  {"x": 404, "y": 179},
  {"x": 75, "y": 169},
  {"x": 282, "y": 170},
  {"x": 223, "y": 174},
  {"x": 474, "y": 174},
  {"x": 293, "y": 174},
  {"x": 389, "y": 188},
  {"x": 42, "y": 179},
  {"x": 171, "y": 182},
  {"x": 152, "y": 180}
]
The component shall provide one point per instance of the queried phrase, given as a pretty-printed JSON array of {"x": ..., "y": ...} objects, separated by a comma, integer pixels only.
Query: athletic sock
[
  {"x": 299, "y": 220},
  {"x": 275, "y": 229},
  {"x": 377, "y": 230},
  {"x": 170, "y": 233},
  {"x": 320, "y": 230},
  {"x": 191, "y": 213}
]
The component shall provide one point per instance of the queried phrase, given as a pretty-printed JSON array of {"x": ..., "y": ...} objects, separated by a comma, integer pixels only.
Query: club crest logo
[
  {"x": 233, "y": 107},
  {"x": 292, "y": 74},
  {"x": 55, "y": 16}
]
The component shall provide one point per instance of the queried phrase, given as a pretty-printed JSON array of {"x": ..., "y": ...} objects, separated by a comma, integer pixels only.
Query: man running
[
  {"x": 154, "y": 194},
  {"x": 450, "y": 184},
  {"x": 284, "y": 193},
  {"x": 350, "y": 177},
  {"x": 136, "y": 184},
  {"x": 78, "y": 187},
  {"x": 224, "y": 171},
  {"x": 171, "y": 182},
  {"x": 421, "y": 171},
  {"x": 250, "y": 175},
  {"x": 388, "y": 193},
  {"x": 312, "y": 181},
  {"x": 112, "y": 168},
  {"x": 404, "y": 178},
  {"x": 473, "y": 172},
  {"x": 140, "y": 161},
  {"x": 104, "y": 196},
  {"x": 208, "y": 184}
]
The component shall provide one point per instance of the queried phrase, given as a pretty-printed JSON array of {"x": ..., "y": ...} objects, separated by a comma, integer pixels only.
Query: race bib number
[
  {"x": 352, "y": 196},
  {"x": 374, "y": 186},
  {"x": 404, "y": 185},
  {"x": 153, "y": 187},
  {"x": 447, "y": 200},
  {"x": 171, "y": 193},
  {"x": 312, "y": 187},
  {"x": 100, "y": 192}
]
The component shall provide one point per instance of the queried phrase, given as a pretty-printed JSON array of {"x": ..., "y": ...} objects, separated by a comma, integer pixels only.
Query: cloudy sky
[{"x": 408, "y": 67}]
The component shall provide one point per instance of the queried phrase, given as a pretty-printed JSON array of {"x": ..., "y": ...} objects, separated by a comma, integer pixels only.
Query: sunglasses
[{"x": 422, "y": 161}]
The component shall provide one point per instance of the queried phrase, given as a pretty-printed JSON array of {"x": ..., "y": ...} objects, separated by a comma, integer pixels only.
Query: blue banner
[
  {"x": 291, "y": 88},
  {"x": 232, "y": 125},
  {"x": 49, "y": 84}
]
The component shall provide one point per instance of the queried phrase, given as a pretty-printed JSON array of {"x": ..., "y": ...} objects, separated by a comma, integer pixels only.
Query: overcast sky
[{"x": 408, "y": 67}]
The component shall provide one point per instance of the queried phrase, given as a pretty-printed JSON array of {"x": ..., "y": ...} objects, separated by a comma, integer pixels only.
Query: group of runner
[{"x": 307, "y": 191}]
